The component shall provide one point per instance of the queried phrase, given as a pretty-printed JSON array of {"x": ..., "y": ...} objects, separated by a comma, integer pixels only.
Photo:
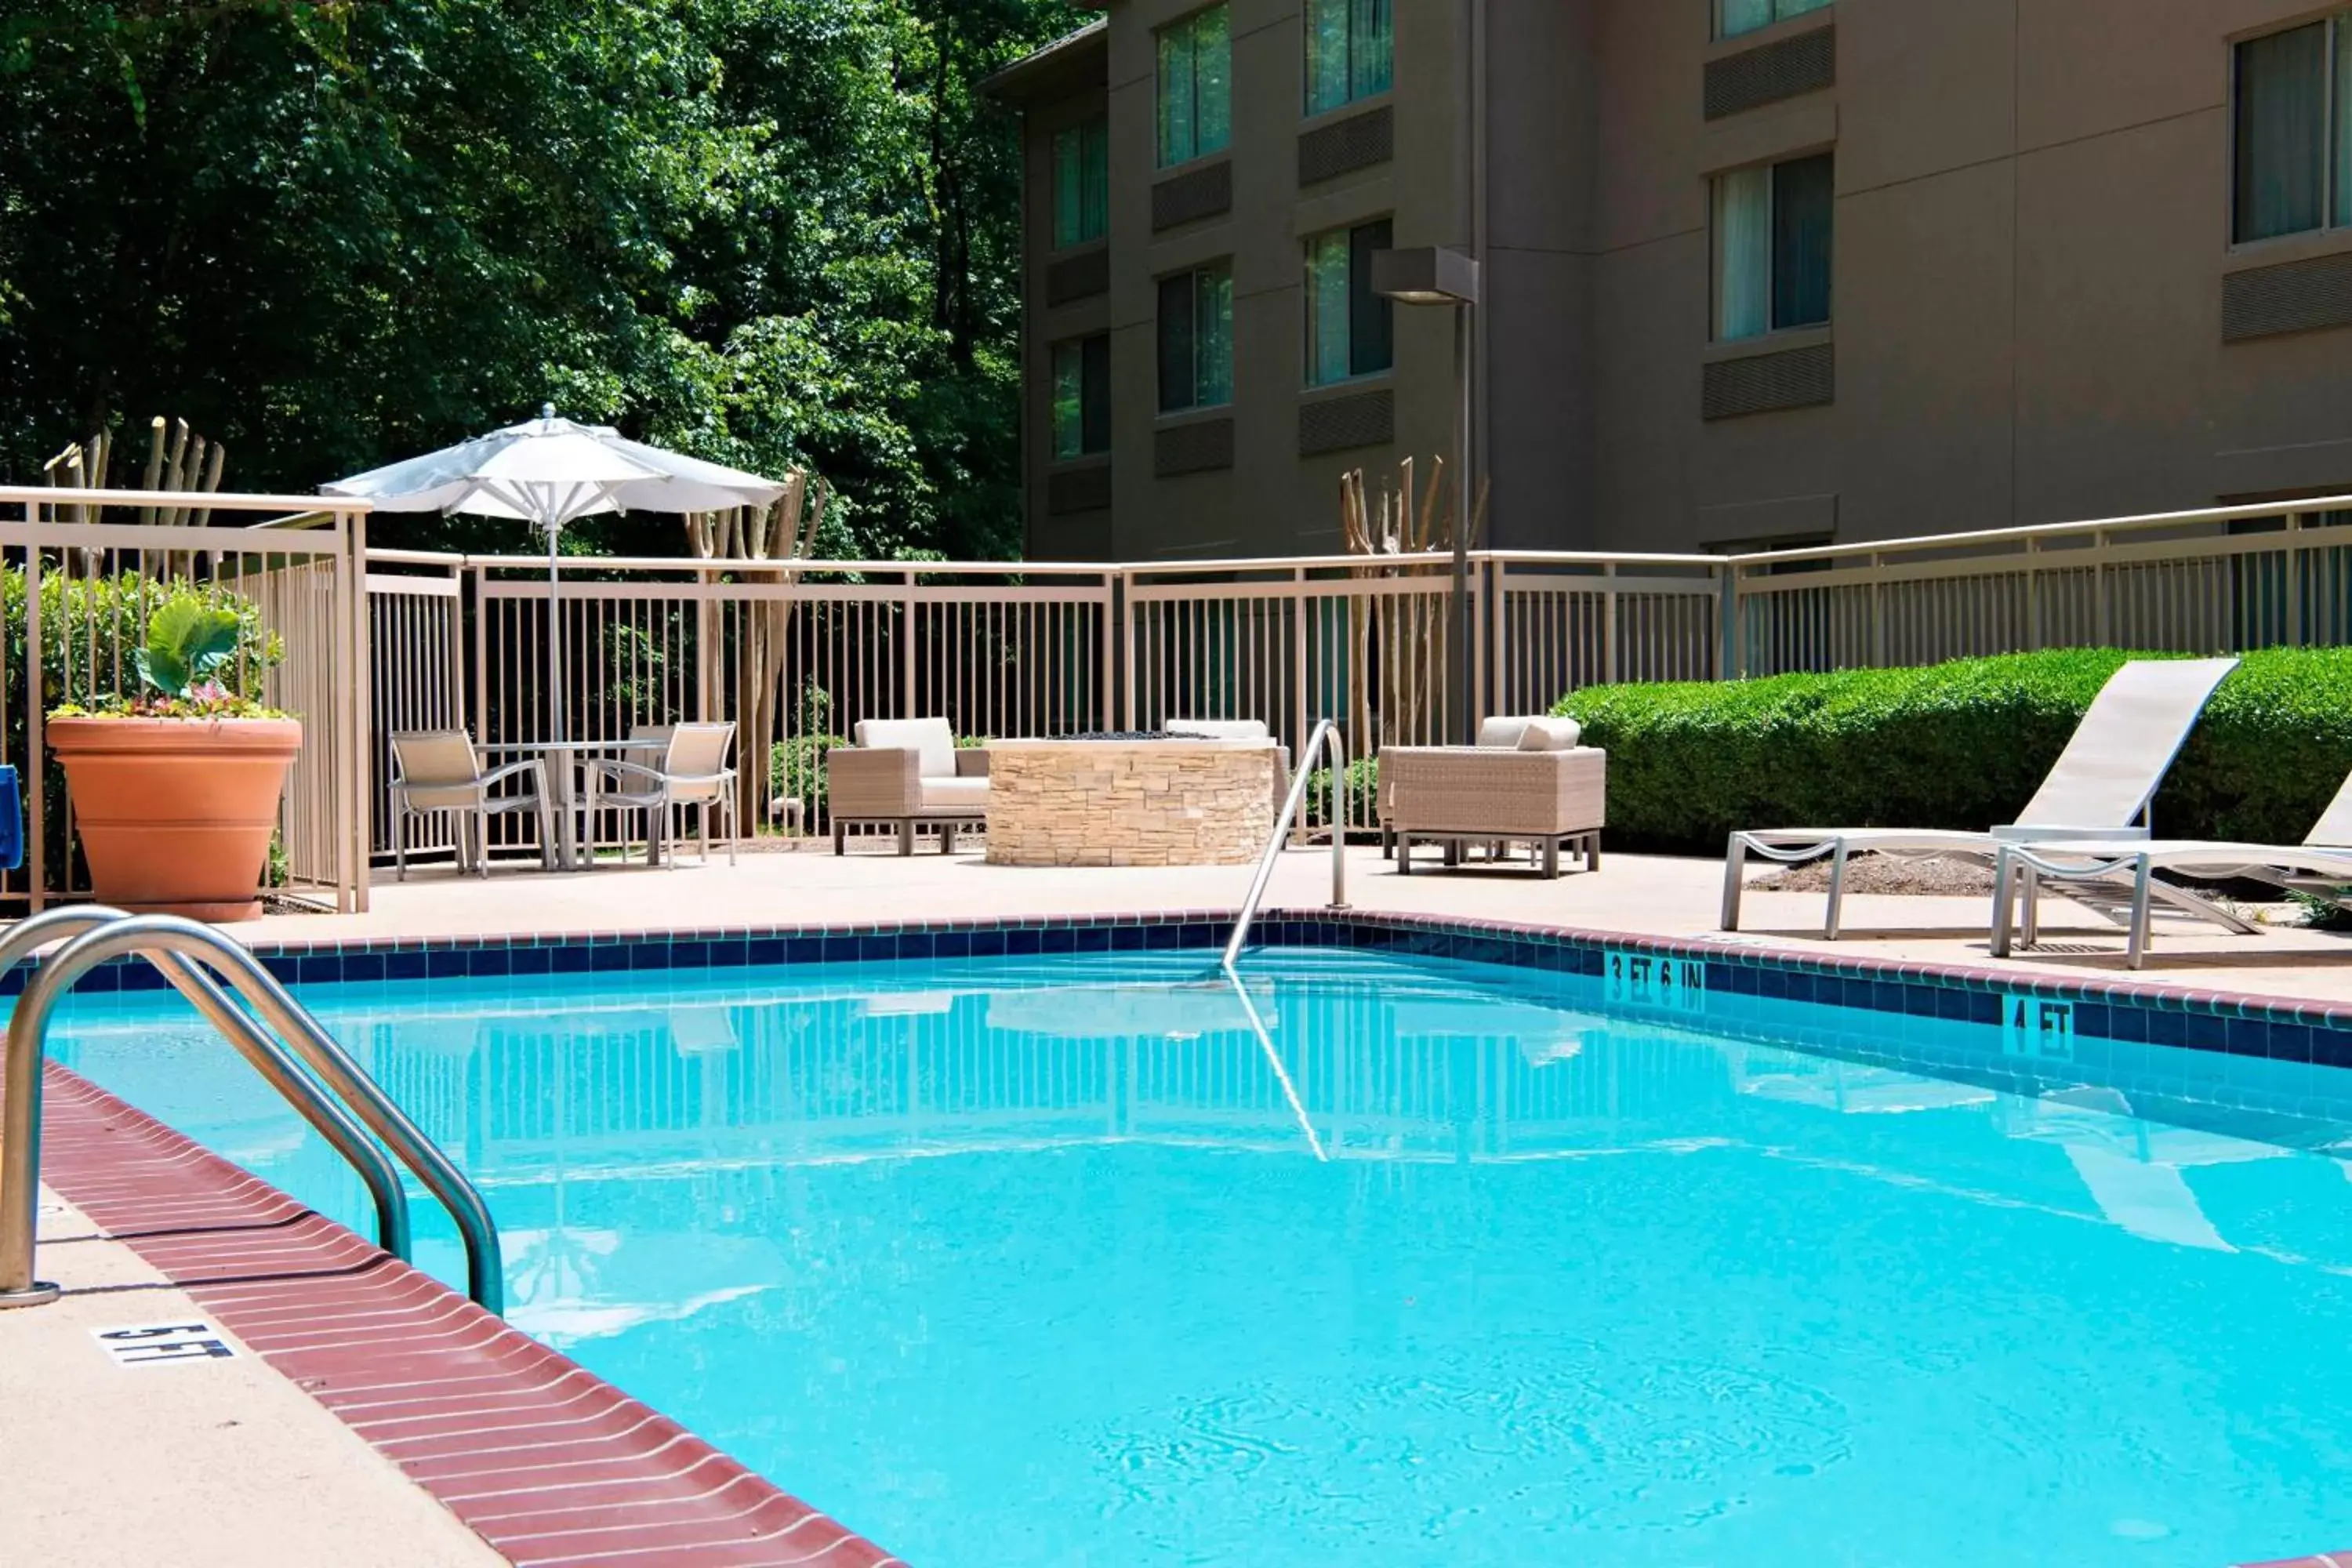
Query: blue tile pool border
[{"x": 2133, "y": 1011}]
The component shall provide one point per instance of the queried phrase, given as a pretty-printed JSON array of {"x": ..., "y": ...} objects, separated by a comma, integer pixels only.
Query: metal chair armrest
[
  {"x": 616, "y": 769},
  {"x": 531, "y": 766}
]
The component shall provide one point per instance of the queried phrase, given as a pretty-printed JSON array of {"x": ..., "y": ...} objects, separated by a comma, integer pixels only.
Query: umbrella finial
[{"x": 547, "y": 411}]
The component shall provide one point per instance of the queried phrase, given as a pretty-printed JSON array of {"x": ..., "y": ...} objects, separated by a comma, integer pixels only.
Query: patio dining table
[{"x": 572, "y": 803}]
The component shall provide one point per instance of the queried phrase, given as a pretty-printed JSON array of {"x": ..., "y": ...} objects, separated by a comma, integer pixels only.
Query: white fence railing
[
  {"x": 2218, "y": 580},
  {"x": 1059, "y": 648},
  {"x": 80, "y": 571},
  {"x": 804, "y": 650}
]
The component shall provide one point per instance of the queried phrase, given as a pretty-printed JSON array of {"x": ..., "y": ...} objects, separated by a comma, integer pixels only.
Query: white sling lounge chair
[
  {"x": 2321, "y": 865},
  {"x": 2099, "y": 788}
]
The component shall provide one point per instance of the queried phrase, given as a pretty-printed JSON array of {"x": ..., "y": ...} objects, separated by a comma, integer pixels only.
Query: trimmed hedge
[{"x": 1962, "y": 744}]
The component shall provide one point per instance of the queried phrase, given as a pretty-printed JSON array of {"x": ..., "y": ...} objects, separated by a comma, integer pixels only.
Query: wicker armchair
[
  {"x": 1461, "y": 795},
  {"x": 902, "y": 774},
  {"x": 1499, "y": 732}
]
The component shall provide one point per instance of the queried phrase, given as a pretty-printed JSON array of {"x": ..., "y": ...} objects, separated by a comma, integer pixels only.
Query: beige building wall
[{"x": 2032, "y": 255}]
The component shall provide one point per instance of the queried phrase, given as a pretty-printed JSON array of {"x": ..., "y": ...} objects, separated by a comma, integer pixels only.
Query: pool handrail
[
  {"x": 326, "y": 1116},
  {"x": 1326, "y": 737},
  {"x": 157, "y": 938}
]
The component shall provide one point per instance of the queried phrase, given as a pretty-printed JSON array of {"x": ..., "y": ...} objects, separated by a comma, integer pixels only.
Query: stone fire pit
[{"x": 1130, "y": 800}]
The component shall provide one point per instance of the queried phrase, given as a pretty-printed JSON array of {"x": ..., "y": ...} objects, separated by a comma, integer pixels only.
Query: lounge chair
[
  {"x": 903, "y": 772},
  {"x": 2099, "y": 788},
  {"x": 2320, "y": 865}
]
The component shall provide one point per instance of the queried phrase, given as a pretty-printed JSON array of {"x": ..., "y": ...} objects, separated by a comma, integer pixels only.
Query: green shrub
[
  {"x": 1363, "y": 783},
  {"x": 92, "y": 629},
  {"x": 1962, "y": 744}
]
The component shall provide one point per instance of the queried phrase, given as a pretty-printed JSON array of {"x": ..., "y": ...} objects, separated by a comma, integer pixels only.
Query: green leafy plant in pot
[{"x": 176, "y": 785}]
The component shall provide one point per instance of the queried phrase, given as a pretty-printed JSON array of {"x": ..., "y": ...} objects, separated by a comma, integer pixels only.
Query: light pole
[{"x": 1434, "y": 275}]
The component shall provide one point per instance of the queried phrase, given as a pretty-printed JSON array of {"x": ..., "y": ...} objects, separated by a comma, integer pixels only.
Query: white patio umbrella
[{"x": 547, "y": 471}]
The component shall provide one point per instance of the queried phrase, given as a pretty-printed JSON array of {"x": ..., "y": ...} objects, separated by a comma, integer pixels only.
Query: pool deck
[
  {"x": 1640, "y": 895},
  {"x": 186, "y": 1463}
]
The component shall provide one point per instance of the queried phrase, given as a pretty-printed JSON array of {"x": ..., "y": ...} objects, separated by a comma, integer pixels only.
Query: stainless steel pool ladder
[
  {"x": 1325, "y": 738},
  {"x": 343, "y": 1102}
]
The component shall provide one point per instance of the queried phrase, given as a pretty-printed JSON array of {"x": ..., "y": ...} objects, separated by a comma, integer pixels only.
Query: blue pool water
[{"x": 1059, "y": 1262}]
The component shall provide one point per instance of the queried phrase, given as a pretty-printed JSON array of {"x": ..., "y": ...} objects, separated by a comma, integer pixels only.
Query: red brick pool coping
[
  {"x": 541, "y": 1458},
  {"x": 538, "y": 1455}
]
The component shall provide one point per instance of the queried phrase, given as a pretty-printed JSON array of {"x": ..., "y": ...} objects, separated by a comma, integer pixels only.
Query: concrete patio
[{"x": 1645, "y": 895}]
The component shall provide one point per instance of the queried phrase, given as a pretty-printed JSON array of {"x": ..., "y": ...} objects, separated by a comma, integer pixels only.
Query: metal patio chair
[
  {"x": 693, "y": 772},
  {"x": 438, "y": 770}
]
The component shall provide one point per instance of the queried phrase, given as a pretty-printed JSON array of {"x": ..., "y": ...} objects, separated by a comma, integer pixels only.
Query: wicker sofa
[
  {"x": 905, "y": 774},
  {"x": 1544, "y": 790}
]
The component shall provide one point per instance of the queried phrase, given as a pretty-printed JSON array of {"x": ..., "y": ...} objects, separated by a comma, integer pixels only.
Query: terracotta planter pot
[{"x": 175, "y": 815}]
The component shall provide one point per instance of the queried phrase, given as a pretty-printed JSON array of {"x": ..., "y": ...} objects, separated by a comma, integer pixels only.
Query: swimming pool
[{"x": 1075, "y": 1260}]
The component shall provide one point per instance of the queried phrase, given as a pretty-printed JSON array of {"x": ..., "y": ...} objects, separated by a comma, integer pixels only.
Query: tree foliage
[{"x": 333, "y": 234}]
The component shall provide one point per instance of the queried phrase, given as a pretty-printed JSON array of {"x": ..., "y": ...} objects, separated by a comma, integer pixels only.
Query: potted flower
[{"x": 176, "y": 788}]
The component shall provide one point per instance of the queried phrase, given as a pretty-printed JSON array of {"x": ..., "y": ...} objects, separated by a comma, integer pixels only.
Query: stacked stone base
[{"x": 1148, "y": 803}]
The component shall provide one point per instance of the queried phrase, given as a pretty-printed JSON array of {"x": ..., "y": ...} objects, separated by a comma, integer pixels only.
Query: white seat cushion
[
  {"x": 955, "y": 795},
  {"x": 1551, "y": 735},
  {"x": 1219, "y": 729},
  {"x": 930, "y": 739},
  {"x": 1503, "y": 731}
]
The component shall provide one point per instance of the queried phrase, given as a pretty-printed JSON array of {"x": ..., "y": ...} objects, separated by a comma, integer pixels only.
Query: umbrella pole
[{"x": 555, "y": 645}]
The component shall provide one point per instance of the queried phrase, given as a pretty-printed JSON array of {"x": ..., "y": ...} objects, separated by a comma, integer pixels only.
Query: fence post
[
  {"x": 1127, "y": 718},
  {"x": 907, "y": 654},
  {"x": 1299, "y": 706},
  {"x": 37, "y": 848},
  {"x": 1728, "y": 665},
  {"x": 1109, "y": 622},
  {"x": 2295, "y": 579},
  {"x": 1609, "y": 623},
  {"x": 1474, "y": 649},
  {"x": 1878, "y": 615},
  {"x": 457, "y": 616},
  {"x": 2033, "y": 597},
  {"x": 2099, "y": 588},
  {"x": 706, "y": 662},
  {"x": 478, "y": 577},
  {"x": 1498, "y": 616},
  {"x": 356, "y": 741}
]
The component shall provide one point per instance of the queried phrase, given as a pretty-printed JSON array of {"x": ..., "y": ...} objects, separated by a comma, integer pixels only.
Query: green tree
[{"x": 334, "y": 234}]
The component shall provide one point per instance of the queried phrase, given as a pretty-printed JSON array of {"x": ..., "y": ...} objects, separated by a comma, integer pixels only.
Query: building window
[
  {"x": 1081, "y": 181},
  {"x": 1348, "y": 325},
  {"x": 1772, "y": 247},
  {"x": 1196, "y": 87},
  {"x": 2292, "y": 123},
  {"x": 1082, "y": 396},
  {"x": 1733, "y": 17},
  {"x": 1196, "y": 339},
  {"x": 1350, "y": 51}
]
